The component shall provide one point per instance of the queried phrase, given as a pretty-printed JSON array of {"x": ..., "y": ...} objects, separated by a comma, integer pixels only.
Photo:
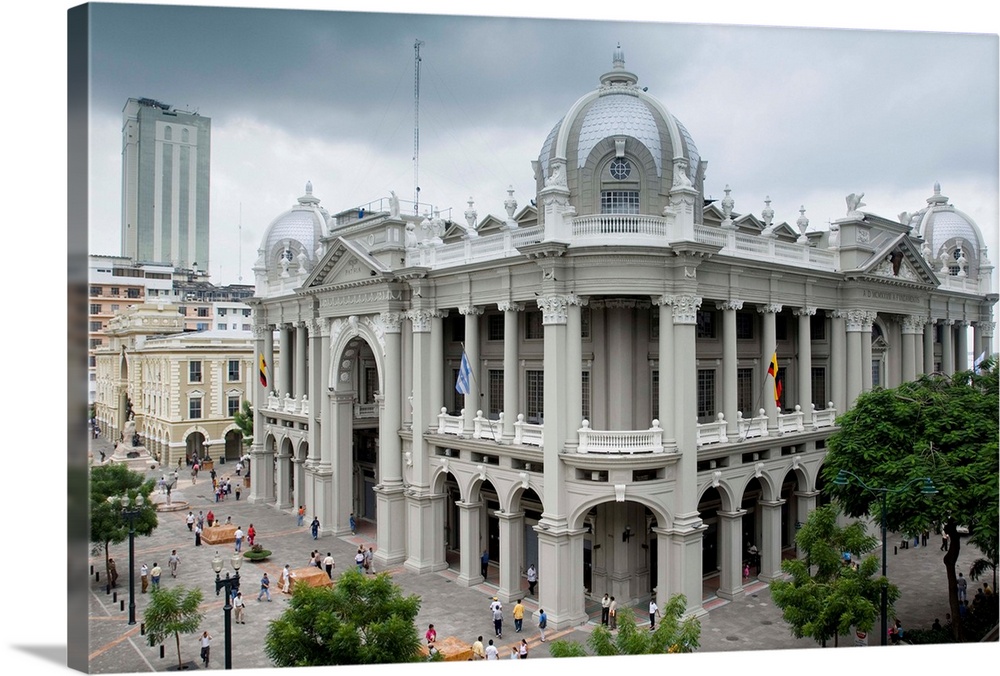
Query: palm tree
[{"x": 172, "y": 611}]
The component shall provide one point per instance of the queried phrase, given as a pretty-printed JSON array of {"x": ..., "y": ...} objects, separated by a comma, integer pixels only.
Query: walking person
[
  {"x": 173, "y": 562},
  {"x": 359, "y": 559},
  {"x": 314, "y": 527},
  {"x": 285, "y": 580},
  {"x": 210, "y": 517},
  {"x": 200, "y": 521},
  {"x": 144, "y": 577},
  {"x": 478, "y": 652},
  {"x": 961, "y": 583},
  {"x": 613, "y": 615},
  {"x": 238, "y": 536},
  {"x": 251, "y": 534},
  {"x": 154, "y": 576},
  {"x": 532, "y": 579},
  {"x": 491, "y": 651},
  {"x": 654, "y": 612},
  {"x": 197, "y": 535},
  {"x": 369, "y": 561},
  {"x": 301, "y": 515},
  {"x": 206, "y": 645},
  {"x": 522, "y": 650},
  {"x": 497, "y": 609},
  {"x": 239, "y": 606},
  {"x": 605, "y": 609},
  {"x": 354, "y": 524},
  {"x": 265, "y": 588},
  {"x": 518, "y": 615},
  {"x": 237, "y": 489},
  {"x": 944, "y": 540},
  {"x": 431, "y": 635},
  {"x": 484, "y": 562},
  {"x": 328, "y": 564},
  {"x": 112, "y": 572},
  {"x": 190, "y": 521},
  {"x": 543, "y": 620}
]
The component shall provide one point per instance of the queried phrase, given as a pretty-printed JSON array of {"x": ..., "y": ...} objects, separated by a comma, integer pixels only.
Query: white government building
[{"x": 622, "y": 431}]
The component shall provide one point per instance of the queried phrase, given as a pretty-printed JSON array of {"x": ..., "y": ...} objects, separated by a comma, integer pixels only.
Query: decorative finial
[
  {"x": 309, "y": 187},
  {"x": 727, "y": 209},
  {"x": 768, "y": 213},
  {"x": 803, "y": 223},
  {"x": 618, "y": 59}
]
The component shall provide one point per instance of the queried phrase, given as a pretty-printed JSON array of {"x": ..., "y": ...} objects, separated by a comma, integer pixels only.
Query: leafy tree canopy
[
  {"x": 824, "y": 597},
  {"x": 113, "y": 480},
  {"x": 672, "y": 635},
  {"x": 362, "y": 620},
  {"x": 244, "y": 420},
  {"x": 172, "y": 611}
]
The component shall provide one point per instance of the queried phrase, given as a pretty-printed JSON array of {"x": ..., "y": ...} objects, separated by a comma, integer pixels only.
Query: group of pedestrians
[{"x": 609, "y": 612}]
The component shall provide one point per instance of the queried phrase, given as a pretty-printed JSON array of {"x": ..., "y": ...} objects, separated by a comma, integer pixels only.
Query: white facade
[{"x": 621, "y": 431}]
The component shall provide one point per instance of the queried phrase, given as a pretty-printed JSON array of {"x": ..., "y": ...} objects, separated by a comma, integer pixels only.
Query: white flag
[
  {"x": 979, "y": 361},
  {"x": 464, "y": 373}
]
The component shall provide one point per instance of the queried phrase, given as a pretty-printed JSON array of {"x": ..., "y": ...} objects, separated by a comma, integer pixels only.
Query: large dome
[
  {"x": 949, "y": 232},
  {"x": 292, "y": 245},
  {"x": 620, "y": 109}
]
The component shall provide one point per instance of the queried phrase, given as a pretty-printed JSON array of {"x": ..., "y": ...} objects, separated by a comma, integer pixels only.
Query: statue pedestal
[{"x": 136, "y": 457}]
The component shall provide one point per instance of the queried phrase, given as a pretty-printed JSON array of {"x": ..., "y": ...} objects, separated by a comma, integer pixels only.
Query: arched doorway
[
  {"x": 751, "y": 525},
  {"x": 233, "y": 448},
  {"x": 194, "y": 445}
]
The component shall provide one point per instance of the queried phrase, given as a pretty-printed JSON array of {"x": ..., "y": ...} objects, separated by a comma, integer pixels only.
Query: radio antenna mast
[
  {"x": 416, "y": 127},
  {"x": 240, "y": 245}
]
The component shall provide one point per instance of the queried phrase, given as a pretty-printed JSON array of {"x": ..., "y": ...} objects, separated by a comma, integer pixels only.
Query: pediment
[
  {"x": 899, "y": 260},
  {"x": 344, "y": 264}
]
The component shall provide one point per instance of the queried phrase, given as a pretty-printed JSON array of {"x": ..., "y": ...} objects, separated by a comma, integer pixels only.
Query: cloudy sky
[{"x": 803, "y": 115}]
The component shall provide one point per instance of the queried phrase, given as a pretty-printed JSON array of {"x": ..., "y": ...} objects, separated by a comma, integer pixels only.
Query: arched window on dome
[{"x": 620, "y": 182}]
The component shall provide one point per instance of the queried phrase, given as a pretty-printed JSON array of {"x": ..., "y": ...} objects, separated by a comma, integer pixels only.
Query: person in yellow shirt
[
  {"x": 478, "y": 652},
  {"x": 518, "y": 615}
]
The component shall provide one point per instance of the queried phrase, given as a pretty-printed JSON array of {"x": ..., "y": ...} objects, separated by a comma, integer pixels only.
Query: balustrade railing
[
  {"x": 620, "y": 442},
  {"x": 751, "y": 427},
  {"x": 484, "y": 428},
  {"x": 619, "y": 224},
  {"x": 450, "y": 424},
  {"x": 824, "y": 418},
  {"x": 713, "y": 432},
  {"x": 791, "y": 422},
  {"x": 366, "y": 410},
  {"x": 527, "y": 433}
]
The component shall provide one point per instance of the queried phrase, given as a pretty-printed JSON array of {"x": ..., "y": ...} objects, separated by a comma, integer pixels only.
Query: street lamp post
[
  {"x": 229, "y": 584},
  {"x": 130, "y": 512},
  {"x": 926, "y": 489}
]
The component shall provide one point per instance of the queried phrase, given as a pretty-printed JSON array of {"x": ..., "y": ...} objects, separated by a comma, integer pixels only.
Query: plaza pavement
[{"x": 748, "y": 623}]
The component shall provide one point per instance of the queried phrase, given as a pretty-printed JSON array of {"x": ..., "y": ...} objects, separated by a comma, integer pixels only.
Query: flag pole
[
  {"x": 475, "y": 383},
  {"x": 760, "y": 398}
]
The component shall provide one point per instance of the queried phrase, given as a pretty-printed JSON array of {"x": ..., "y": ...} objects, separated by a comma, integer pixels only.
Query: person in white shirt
[
  {"x": 328, "y": 563},
  {"x": 654, "y": 611},
  {"x": 206, "y": 644},
  {"x": 239, "y": 538},
  {"x": 239, "y": 606},
  {"x": 491, "y": 651}
]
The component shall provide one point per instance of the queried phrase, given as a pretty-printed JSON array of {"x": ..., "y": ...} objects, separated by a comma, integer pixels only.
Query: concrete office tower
[{"x": 165, "y": 184}]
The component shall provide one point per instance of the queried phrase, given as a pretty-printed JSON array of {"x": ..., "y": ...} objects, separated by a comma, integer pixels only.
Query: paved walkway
[{"x": 750, "y": 623}]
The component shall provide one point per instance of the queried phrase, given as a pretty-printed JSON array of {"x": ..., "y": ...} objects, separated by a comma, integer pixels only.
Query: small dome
[
  {"x": 946, "y": 230},
  {"x": 297, "y": 231}
]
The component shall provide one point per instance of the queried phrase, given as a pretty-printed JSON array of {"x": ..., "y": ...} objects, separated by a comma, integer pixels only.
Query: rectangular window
[
  {"x": 655, "y": 394},
  {"x": 221, "y": 326},
  {"x": 585, "y": 324},
  {"x": 371, "y": 384},
  {"x": 494, "y": 327},
  {"x": 246, "y": 312},
  {"x": 706, "y": 324},
  {"x": 222, "y": 312},
  {"x": 585, "y": 395},
  {"x": 744, "y": 325},
  {"x": 495, "y": 393},
  {"x": 114, "y": 308},
  {"x": 654, "y": 325},
  {"x": 115, "y": 291},
  {"x": 819, "y": 396},
  {"x": 92, "y": 361},
  {"x": 233, "y": 370},
  {"x": 133, "y": 293},
  {"x": 535, "y": 399},
  {"x": 817, "y": 327},
  {"x": 96, "y": 326},
  {"x": 203, "y": 312},
  {"x": 182, "y": 310},
  {"x": 233, "y": 405},
  {"x": 876, "y": 372},
  {"x": 619, "y": 201},
  {"x": 95, "y": 343},
  {"x": 194, "y": 408},
  {"x": 194, "y": 371},
  {"x": 96, "y": 290},
  {"x": 246, "y": 327},
  {"x": 744, "y": 392},
  {"x": 533, "y": 327},
  {"x": 706, "y": 395},
  {"x": 201, "y": 326},
  {"x": 95, "y": 308}
]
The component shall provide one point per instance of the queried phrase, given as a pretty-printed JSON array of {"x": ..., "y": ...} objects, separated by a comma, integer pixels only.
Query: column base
[
  {"x": 469, "y": 581},
  {"x": 731, "y": 594}
]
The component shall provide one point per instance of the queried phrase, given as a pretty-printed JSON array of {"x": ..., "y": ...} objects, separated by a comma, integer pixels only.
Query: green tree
[
  {"x": 172, "y": 611},
  {"x": 940, "y": 427},
  {"x": 107, "y": 526},
  {"x": 244, "y": 420},
  {"x": 672, "y": 635},
  {"x": 824, "y": 598},
  {"x": 362, "y": 620}
]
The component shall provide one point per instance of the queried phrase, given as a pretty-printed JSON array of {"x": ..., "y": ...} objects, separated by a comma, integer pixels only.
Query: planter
[{"x": 257, "y": 556}]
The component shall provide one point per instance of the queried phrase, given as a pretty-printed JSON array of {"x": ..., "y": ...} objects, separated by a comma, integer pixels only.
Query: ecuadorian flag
[
  {"x": 263, "y": 371},
  {"x": 772, "y": 370}
]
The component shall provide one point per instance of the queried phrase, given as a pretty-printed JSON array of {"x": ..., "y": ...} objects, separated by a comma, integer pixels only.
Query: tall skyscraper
[{"x": 165, "y": 184}]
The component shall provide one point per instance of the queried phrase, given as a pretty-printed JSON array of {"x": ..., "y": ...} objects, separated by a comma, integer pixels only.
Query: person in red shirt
[
  {"x": 210, "y": 517},
  {"x": 251, "y": 534},
  {"x": 431, "y": 635}
]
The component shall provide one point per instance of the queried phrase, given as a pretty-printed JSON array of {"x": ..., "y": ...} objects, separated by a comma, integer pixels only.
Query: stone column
[
  {"x": 472, "y": 402},
  {"x": 560, "y": 575},
  {"x": 983, "y": 338},
  {"x": 319, "y": 382},
  {"x": 918, "y": 348},
  {"x": 511, "y": 555},
  {"x": 769, "y": 345},
  {"x": 666, "y": 372},
  {"x": 555, "y": 311},
  {"x": 770, "y": 522},
  {"x": 684, "y": 554},
  {"x": 731, "y": 554},
  {"x": 261, "y": 459},
  {"x": 469, "y": 544},
  {"x": 510, "y": 366},
  {"x": 805, "y": 363},
  {"x": 929, "y": 345},
  {"x": 435, "y": 390},
  {"x": 729, "y": 366},
  {"x": 912, "y": 325},
  {"x": 301, "y": 377},
  {"x": 283, "y": 493},
  {"x": 838, "y": 360},
  {"x": 948, "y": 346},
  {"x": 286, "y": 360},
  {"x": 866, "y": 351},
  {"x": 962, "y": 346},
  {"x": 574, "y": 371},
  {"x": 339, "y": 487},
  {"x": 621, "y": 363},
  {"x": 390, "y": 505},
  {"x": 855, "y": 336}
]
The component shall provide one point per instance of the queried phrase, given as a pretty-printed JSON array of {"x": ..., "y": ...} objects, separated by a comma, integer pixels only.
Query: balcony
[
  {"x": 748, "y": 428},
  {"x": 767, "y": 249}
]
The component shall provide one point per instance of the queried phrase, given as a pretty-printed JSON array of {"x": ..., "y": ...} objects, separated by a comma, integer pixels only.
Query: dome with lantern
[
  {"x": 619, "y": 150},
  {"x": 950, "y": 235},
  {"x": 292, "y": 244}
]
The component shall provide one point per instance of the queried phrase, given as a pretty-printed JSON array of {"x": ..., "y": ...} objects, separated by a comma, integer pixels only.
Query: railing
[
  {"x": 622, "y": 442},
  {"x": 791, "y": 422},
  {"x": 619, "y": 224},
  {"x": 751, "y": 427},
  {"x": 451, "y": 424},
  {"x": 824, "y": 418},
  {"x": 743, "y": 245},
  {"x": 474, "y": 249},
  {"x": 527, "y": 433},
  {"x": 366, "y": 410},
  {"x": 713, "y": 432},
  {"x": 484, "y": 428}
]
